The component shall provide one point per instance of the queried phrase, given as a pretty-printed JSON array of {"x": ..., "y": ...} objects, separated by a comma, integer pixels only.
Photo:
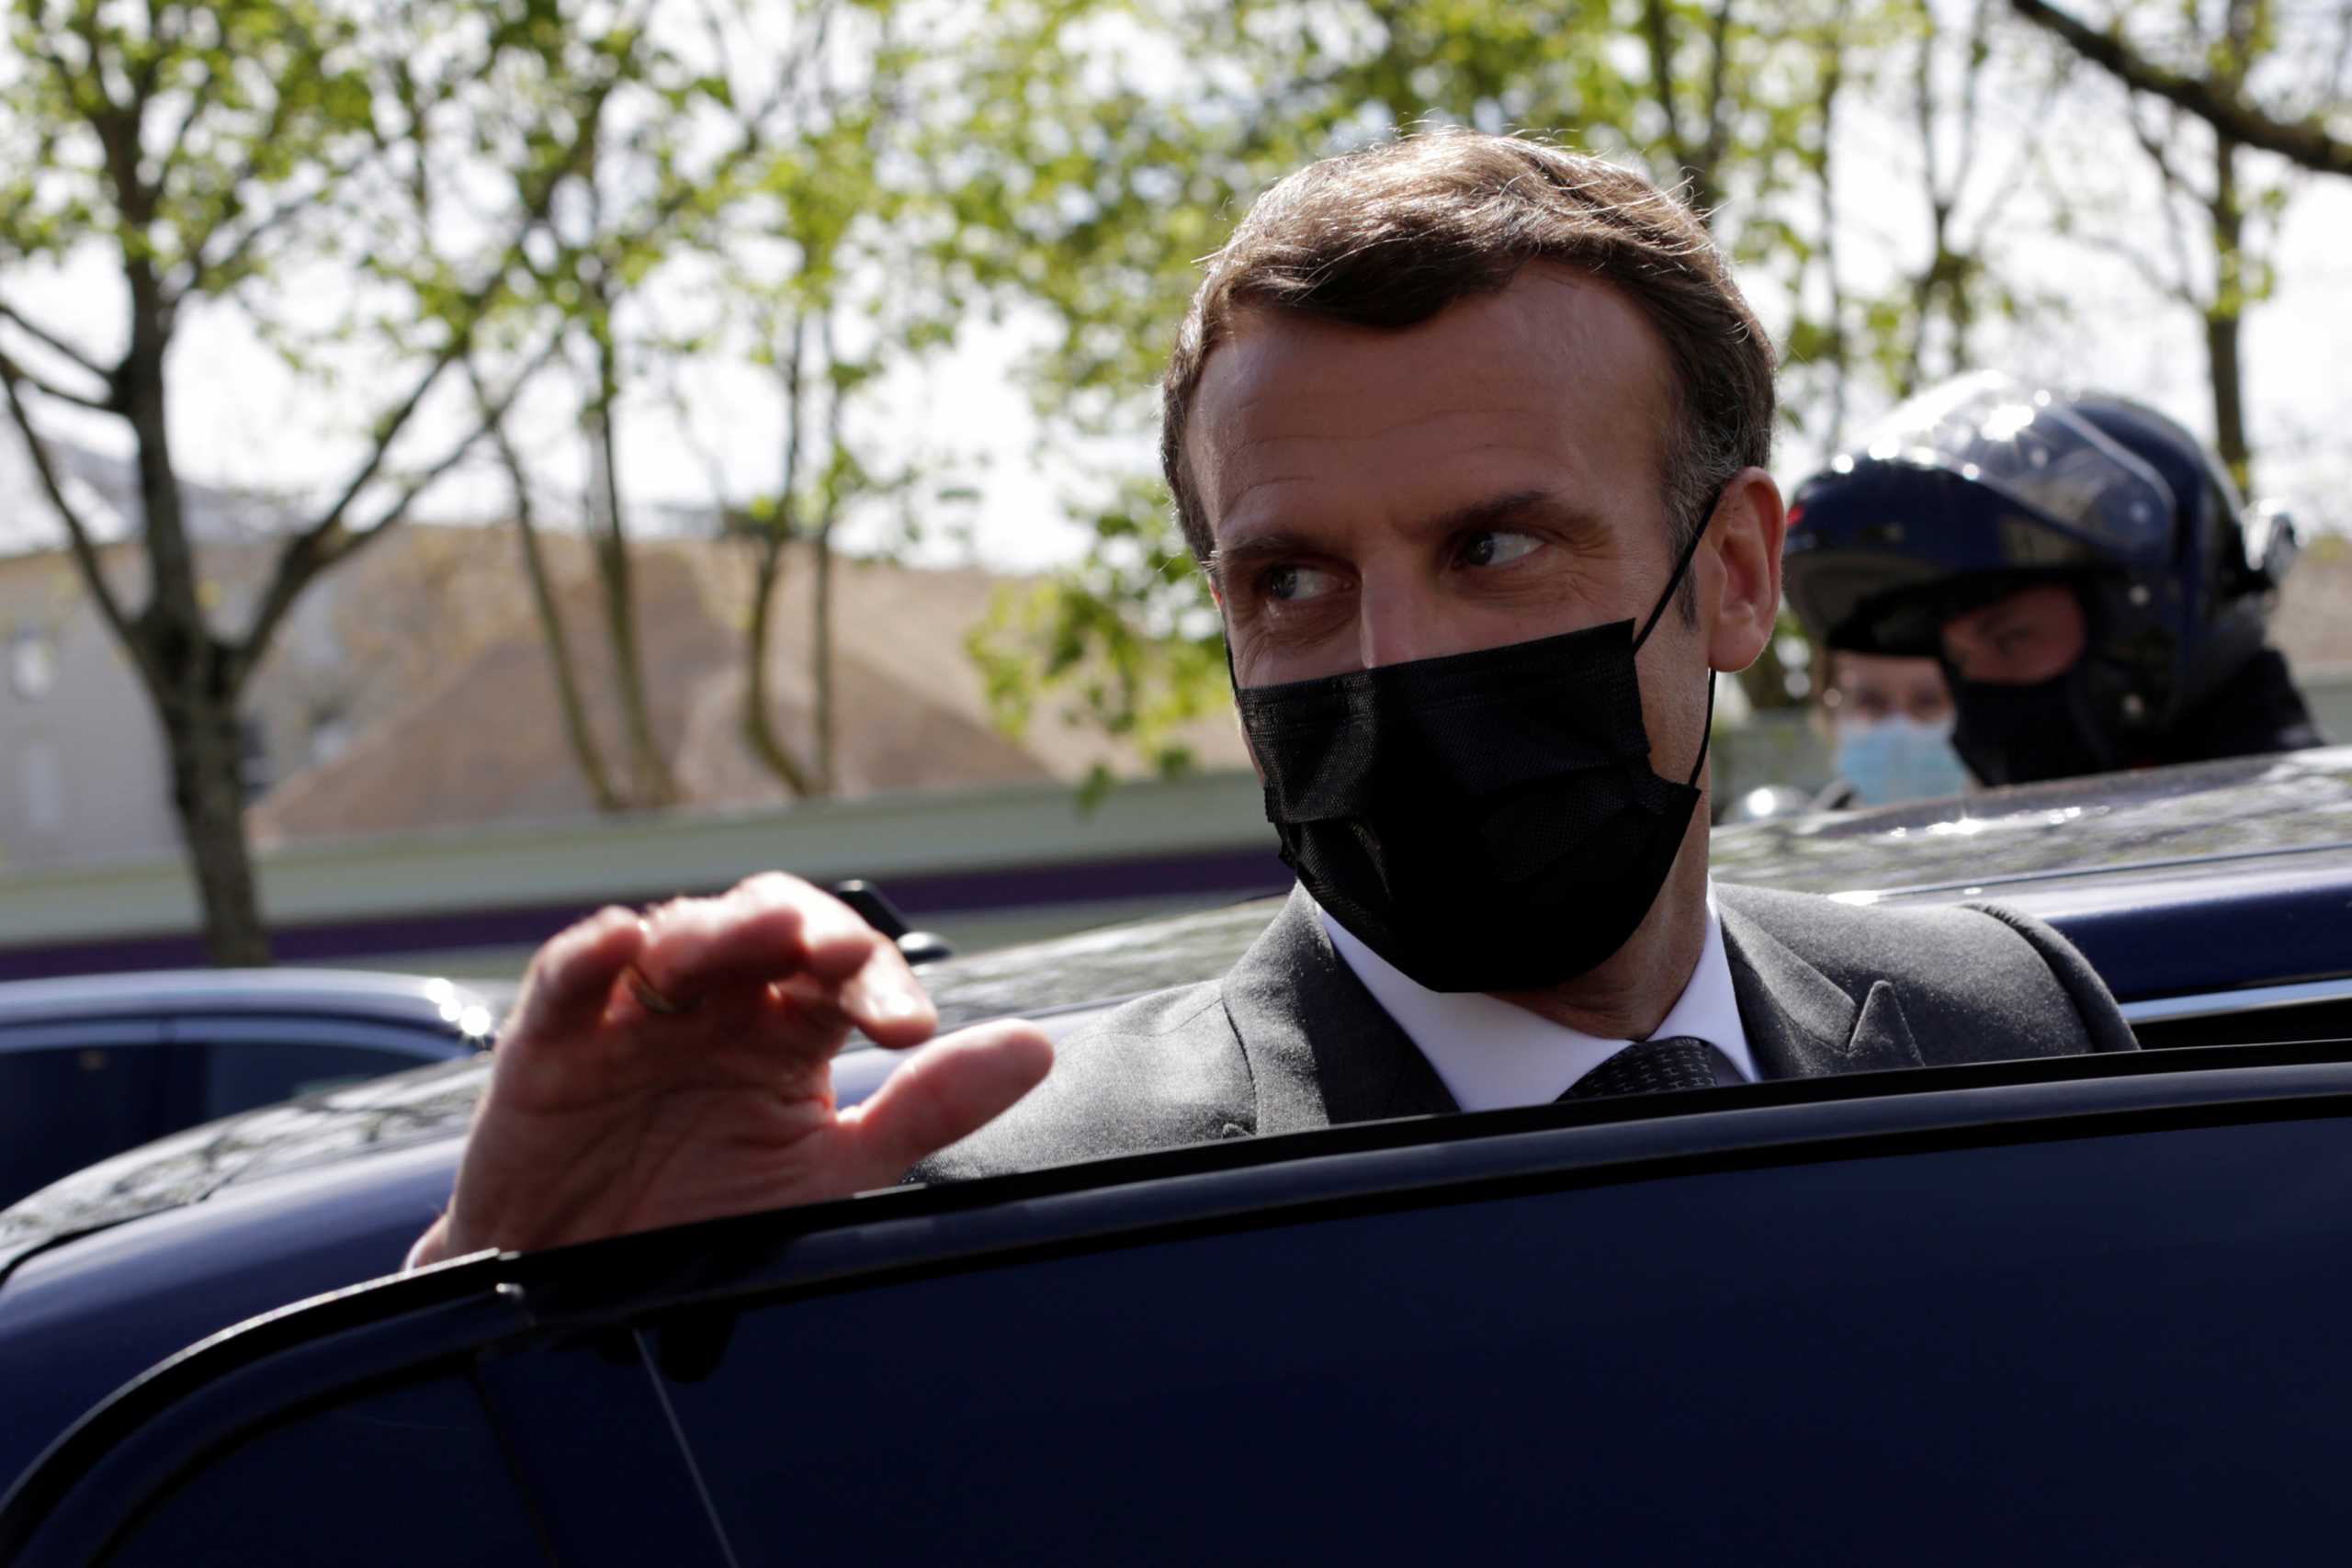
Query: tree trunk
[
  {"x": 759, "y": 727},
  {"x": 2224, "y": 320},
  {"x": 651, "y": 781},
  {"x": 1833, "y": 82},
  {"x": 759, "y": 723},
  {"x": 209, "y": 797},
  {"x": 1696, "y": 159},
  {"x": 821, "y": 657},
  {"x": 192, "y": 677},
  {"x": 573, "y": 710}
]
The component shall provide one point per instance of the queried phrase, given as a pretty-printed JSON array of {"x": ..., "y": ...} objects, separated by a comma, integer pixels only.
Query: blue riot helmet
[{"x": 1985, "y": 485}]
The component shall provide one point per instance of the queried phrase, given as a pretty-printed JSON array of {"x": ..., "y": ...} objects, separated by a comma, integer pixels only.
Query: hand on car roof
[{"x": 675, "y": 1066}]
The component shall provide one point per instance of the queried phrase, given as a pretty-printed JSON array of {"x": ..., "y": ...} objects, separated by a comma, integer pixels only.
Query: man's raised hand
[{"x": 678, "y": 1066}]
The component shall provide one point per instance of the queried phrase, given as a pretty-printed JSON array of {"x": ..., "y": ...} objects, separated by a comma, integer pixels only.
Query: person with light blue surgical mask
[{"x": 1892, "y": 721}]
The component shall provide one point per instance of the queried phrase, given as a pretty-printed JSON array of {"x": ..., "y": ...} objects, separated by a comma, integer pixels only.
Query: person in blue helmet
[{"x": 2083, "y": 569}]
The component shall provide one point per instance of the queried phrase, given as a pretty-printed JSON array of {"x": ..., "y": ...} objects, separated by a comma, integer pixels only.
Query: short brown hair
[{"x": 1390, "y": 236}]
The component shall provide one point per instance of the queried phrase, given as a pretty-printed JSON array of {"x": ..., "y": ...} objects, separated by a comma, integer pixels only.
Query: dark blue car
[
  {"x": 2086, "y": 1309},
  {"x": 96, "y": 1064}
]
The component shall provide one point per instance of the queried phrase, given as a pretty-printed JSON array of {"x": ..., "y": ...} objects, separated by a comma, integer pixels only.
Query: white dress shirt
[{"x": 1491, "y": 1053}]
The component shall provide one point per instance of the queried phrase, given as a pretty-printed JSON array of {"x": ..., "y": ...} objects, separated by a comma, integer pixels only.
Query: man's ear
[{"x": 1745, "y": 543}]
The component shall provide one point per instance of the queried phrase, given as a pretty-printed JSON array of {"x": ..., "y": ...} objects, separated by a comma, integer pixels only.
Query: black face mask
[
  {"x": 2022, "y": 734},
  {"x": 1484, "y": 822}
]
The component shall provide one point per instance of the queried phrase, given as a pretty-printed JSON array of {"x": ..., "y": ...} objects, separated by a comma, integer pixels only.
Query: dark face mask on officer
[
  {"x": 1484, "y": 821},
  {"x": 2024, "y": 706}
]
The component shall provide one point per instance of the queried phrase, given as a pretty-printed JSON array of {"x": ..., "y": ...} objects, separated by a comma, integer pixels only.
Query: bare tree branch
[
  {"x": 200, "y": 99},
  {"x": 2028, "y": 155},
  {"x": 327, "y": 540},
  {"x": 1718, "y": 135},
  {"x": 2307, "y": 144},
  {"x": 1980, "y": 23},
  {"x": 329, "y": 543},
  {"x": 48, "y": 389},
  {"x": 2155, "y": 277},
  {"x": 1833, "y": 82},
  {"x": 208, "y": 275},
  {"x": 2183, "y": 287},
  {"x": 569, "y": 703},
  {"x": 53, "y": 343},
  {"x": 78, "y": 531},
  {"x": 1657, "y": 35}
]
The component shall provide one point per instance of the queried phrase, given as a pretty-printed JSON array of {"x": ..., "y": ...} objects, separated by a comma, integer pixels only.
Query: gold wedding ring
[{"x": 652, "y": 999}]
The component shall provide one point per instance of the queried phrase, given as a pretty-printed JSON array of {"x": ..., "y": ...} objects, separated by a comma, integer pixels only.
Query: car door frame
[{"x": 76, "y": 1498}]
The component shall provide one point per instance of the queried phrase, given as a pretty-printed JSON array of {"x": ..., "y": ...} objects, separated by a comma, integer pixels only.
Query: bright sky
[{"x": 241, "y": 419}]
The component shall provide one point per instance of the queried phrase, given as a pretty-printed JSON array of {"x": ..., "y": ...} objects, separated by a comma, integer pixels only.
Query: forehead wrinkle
[
  {"x": 1532, "y": 405},
  {"x": 1235, "y": 486},
  {"x": 1277, "y": 370}
]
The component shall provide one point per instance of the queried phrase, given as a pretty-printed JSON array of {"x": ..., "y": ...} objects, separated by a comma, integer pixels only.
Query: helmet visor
[{"x": 2028, "y": 447}]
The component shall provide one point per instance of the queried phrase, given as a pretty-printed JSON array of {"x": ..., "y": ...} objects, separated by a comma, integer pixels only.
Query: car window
[
  {"x": 2116, "y": 1348},
  {"x": 238, "y": 1072},
  {"x": 393, "y": 1476},
  {"x": 76, "y": 1101},
  {"x": 2165, "y": 1024}
]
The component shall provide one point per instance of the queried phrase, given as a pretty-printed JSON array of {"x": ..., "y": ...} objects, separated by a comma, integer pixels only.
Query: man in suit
[{"x": 1470, "y": 435}]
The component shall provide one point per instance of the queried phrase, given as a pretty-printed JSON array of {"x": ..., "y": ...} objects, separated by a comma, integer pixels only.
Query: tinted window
[
  {"x": 2322, "y": 1021},
  {"x": 63, "y": 1107},
  {"x": 239, "y": 1075},
  {"x": 2125, "y": 1349},
  {"x": 394, "y": 1477}
]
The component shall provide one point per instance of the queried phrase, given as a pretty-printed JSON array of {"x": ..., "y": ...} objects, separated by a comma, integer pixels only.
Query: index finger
[
  {"x": 571, "y": 979},
  {"x": 775, "y": 930}
]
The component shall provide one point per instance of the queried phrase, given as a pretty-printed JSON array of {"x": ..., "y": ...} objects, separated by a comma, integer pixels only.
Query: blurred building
[
  {"x": 83, "y": 774},
  {"x": 442, "y": 710},
  {"x": 411, "y": 693},
  {"x": 412, "y": 690}
]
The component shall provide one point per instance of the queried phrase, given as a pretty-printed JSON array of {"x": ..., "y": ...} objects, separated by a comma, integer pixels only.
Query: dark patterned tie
[{"x": 1650, "y": 1067}]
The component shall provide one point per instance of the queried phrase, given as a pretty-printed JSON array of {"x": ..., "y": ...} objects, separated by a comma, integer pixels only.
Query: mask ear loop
[
  {"x": 1690, "y": 553},
  {"x": 1706, "y": 735}
]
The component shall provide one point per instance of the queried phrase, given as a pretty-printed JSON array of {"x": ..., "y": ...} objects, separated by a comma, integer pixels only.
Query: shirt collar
[{"x": 1490, "y": 1054}]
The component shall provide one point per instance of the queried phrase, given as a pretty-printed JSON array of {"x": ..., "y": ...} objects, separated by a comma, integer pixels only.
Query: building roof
[
  {"x": 103, "y": 491},
  {"x": 480, "y": 738}
]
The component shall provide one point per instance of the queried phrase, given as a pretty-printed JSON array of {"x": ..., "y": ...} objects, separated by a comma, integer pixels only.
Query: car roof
[
  {"x": 355, "y": 992},
  {"x": 2290, "y": 808},
  {"x": 2138, "y": 869}
]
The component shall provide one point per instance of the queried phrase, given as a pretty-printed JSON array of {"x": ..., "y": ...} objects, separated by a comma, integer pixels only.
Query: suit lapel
[
  {"x": 1320, "y": 1050},
  {"x": 1799, "y": 1023},
  {"x": 1322, "y": 1053}
]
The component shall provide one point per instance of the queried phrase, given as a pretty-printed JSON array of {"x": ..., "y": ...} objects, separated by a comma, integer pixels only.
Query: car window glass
[
  {"x": 65, "y": 1106},
  {"x": 2119, "y": 1349},
  {"x": 2328, "y": 1020},
  {"x": 395, "y": 1476},
  {"x": 239, "y": 1073}
]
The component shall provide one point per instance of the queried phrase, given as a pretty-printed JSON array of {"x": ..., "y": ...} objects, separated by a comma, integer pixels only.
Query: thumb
[{"x": 947, "y": 1090}]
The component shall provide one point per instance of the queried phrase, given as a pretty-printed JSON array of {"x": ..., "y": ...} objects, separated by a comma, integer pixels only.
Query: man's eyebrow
[
  {"x": 1274, "y": 544},
  {"x": 1493, "y": 511},
  {"x": 1516, "y": 506}
]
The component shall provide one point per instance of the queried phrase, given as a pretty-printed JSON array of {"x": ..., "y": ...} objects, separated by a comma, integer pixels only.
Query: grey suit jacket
[{"x": 1289, "y": 1040}]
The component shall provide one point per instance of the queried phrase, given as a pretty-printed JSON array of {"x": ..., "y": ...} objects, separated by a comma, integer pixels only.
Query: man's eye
[
  {"x": 1292, "y": 583},
  {"x": 1495, "y": 548}
]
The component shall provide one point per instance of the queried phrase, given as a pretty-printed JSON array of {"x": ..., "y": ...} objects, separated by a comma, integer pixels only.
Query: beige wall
[
  {"x": 83, "y": 776},
  {"x": 81, "y": 770}
]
